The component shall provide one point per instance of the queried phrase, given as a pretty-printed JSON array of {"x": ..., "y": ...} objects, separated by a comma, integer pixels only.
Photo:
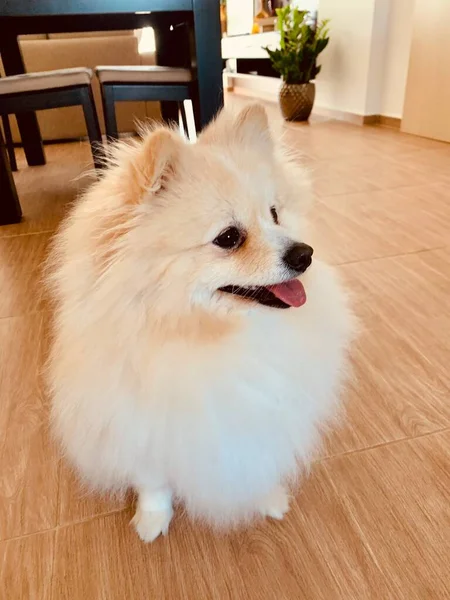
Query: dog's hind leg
[
  {"x": 153, "y": 513},
  {"x": 276, "y": 504}
]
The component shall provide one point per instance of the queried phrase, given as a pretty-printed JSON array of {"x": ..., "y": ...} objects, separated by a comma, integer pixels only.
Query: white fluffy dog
[{"x": 198, "y": 347}]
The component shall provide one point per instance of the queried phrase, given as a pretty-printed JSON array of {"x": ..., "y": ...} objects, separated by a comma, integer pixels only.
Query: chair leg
[
  {"x": 183, "y": 118},
  {"x": 9, "y": 142},
  {"x": 10, "y": 211},
  {"x": 196, "y": 106},
  {"x": 109, "y": 112},
  {"x": 92, "y": 125}
]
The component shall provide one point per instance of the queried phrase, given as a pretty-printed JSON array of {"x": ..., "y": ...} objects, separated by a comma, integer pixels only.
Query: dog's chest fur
[
  {"x": 223, "y": 421},
  {"x": 244, "y": 410}
]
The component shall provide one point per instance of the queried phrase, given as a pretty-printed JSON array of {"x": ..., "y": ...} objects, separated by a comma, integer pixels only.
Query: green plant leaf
[{"x": 300, "y": 45}]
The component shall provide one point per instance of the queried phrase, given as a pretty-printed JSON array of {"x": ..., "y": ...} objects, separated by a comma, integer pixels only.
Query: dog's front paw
[
  {"x": 276, "y": 504},
  {"x": 151, "y": 524}
]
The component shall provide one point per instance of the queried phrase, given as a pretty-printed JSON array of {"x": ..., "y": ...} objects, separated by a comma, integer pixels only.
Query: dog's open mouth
[{"x": 281, "y": 295}]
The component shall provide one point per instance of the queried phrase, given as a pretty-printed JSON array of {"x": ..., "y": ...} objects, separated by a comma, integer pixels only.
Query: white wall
[
  {"x": 342, "y": 83},
  {"x": 365, "y": 66},
  {"x": 378, "y": 54},
  {"x": 239, "y": 16},
  {"x": 398, "y": 45},
  {"x": 311, "y": 5}
]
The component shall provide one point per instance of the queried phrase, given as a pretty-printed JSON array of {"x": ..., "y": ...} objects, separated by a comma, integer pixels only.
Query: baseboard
[
  {"x": 392, "y": 122},
  {"x": 370, "y": 120},
  {"x": 266, "y": 88},
  {"x": 339, "y": 115}
]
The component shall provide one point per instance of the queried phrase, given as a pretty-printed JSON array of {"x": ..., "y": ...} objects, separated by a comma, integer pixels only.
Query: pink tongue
[{"x": 291, "y": 292}]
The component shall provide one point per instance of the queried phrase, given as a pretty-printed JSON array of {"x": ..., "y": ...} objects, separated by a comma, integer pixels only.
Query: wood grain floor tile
[
  {"x": 398, "y": 496},
  {"x": 45, "y": 192},
  {"x": 395, "y": 394},
  {"x": 408, "y": 294},
  {"x": 26, "y": 567},
  {"x": 21, "y": 261},
  {"x": 329, "y": 179},
  {"x": 301, "y": 557},
  {"x": 394, "y": 143},
  {"x": 79, "y": 504},
  {"x": 435, "y": 163},
  {"x": 401, "y": 385},
  {"x": 381, "y": 223},
  {"x": 397, "y": 170},
  {"x": 28, "y": 458},
  {"x": 325, "y": 140},
  {"x": 410, "y": 289}
]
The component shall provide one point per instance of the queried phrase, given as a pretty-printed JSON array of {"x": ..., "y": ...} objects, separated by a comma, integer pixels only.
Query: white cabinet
[{"x": 249, "y": 46}]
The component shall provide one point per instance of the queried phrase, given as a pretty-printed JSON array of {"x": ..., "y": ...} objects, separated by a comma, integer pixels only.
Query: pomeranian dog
[{"x": 198, "y": 347}]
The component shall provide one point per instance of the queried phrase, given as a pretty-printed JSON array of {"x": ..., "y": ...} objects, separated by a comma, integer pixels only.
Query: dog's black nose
[{"x": 298, "y": 257}]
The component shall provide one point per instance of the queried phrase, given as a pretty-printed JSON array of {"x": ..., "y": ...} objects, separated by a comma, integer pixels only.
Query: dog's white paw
[
  {"x": 151, "y": 524},
  {"x": 276, "y": 504}
]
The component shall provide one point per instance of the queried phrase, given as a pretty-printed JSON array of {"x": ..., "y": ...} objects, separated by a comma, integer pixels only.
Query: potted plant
[{"x": 301, "y": 42}]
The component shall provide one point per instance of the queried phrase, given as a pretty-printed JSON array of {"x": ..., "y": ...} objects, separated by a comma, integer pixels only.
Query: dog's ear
[
  {"x": 249, "y": 128},
  {"x": 252, "y": 124},
  {"x": 154, "y": 163}
]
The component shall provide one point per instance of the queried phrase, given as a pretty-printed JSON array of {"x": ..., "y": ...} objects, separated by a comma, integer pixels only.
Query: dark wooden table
[{"x": 187, "y": 34}]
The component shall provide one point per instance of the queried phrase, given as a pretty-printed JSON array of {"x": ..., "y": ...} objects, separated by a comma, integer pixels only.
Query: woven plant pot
[{"x": 296, "y": 100}]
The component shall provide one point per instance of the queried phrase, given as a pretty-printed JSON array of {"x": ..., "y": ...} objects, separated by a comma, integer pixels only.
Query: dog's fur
[{"x": 161, "y": 382}]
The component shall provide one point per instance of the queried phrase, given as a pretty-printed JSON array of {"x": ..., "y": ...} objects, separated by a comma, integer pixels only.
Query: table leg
[
  {"x": 10, "y": 211},
  {"x": 28, "y": 124},
  {"x": 208, "y": 54},
  {"x": 168, "y": 54}
]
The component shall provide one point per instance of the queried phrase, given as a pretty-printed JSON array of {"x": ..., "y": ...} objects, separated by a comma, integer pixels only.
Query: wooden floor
[{"x": 373, "y": 519}]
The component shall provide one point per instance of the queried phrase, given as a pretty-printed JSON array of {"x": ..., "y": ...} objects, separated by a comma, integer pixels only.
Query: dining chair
[
  {"x": 51, "y": 89},
  {"x": 158, "y": 83},
  {"x": 9, "y": 143}
]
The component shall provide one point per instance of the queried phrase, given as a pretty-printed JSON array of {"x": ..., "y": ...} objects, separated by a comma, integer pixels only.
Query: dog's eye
[
  {"x": 274, "y": 213},
  {"x": 230, "y": 238}
]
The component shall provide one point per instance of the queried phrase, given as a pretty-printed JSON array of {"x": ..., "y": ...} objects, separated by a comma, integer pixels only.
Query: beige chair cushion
[
  {"x": 32, "y": 36},
  {"x": 45, "y": 80},
  {"x": 69, "y": 123},
  {"x": 90, "y": 34},
  {"x": 47, "y": 55},
  {"x": 142, "y": 74}
]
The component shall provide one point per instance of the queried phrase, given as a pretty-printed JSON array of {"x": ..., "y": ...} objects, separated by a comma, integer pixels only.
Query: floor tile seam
[{"x": 373, "y": 447}]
